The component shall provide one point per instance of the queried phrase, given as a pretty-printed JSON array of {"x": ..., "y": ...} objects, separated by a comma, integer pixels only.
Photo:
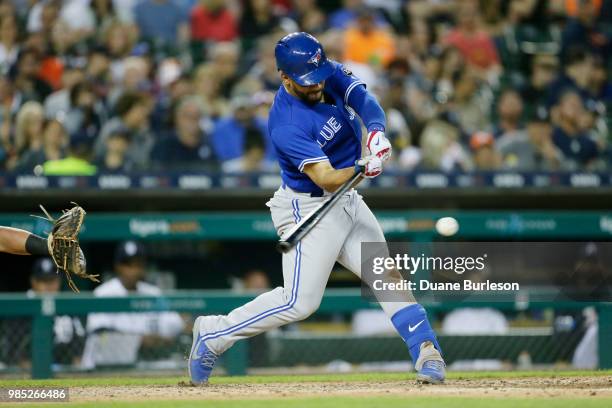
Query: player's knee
[{"x": 305, "y": 308}]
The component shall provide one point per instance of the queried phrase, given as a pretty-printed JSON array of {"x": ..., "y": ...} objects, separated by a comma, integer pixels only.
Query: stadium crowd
[{"x": 91, "y": 86}]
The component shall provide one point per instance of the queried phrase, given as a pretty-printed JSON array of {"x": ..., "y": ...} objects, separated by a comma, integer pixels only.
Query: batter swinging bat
[{"x": 301, "y": 229}]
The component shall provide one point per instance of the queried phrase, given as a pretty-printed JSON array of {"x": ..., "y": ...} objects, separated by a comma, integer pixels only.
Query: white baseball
[{"x": 447, "y": 226}]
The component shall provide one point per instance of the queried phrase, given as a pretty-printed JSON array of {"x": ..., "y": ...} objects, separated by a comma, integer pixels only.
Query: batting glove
[
  {"x": 379, "y": 145},
  {"x": 371, "y": 166}
]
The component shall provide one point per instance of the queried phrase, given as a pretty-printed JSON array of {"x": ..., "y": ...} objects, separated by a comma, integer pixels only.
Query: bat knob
[{"x": 283, "y": 246}]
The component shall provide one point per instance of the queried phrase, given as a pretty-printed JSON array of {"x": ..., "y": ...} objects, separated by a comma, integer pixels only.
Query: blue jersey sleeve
[
  {"x": 357, "y": 97},
  {"x": 296, "y": 146},
  {"x": 343, "y": 81},
  {"x": 368, "y": 109}
]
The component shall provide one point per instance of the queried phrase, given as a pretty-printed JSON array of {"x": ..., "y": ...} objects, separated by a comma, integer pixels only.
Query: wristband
[
  {"x": 36, "y": 245},
  {"x": 358, "y": 167}
]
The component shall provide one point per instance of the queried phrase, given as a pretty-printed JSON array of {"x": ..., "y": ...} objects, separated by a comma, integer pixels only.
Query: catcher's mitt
[{"x": 63, "y": 244}]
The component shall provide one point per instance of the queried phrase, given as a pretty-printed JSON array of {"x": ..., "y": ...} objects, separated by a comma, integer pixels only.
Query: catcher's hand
[{"x": 63, "y": 244}]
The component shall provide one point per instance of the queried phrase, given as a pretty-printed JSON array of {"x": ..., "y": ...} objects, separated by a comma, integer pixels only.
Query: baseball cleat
[
  {"x": 432, "y": 372},
  {"x": 430, "y": 365},
  {"x": 201, "y": 359}
]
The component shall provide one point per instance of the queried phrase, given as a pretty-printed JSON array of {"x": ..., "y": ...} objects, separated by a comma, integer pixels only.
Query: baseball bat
[{"x": 302, "y": 228}]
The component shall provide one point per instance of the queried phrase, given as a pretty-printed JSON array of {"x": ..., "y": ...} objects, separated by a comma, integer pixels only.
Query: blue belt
[{"x": 312, "y": 194}]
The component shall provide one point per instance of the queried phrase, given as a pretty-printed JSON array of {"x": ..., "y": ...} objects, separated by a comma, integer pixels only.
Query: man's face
[
  {"x": 571, "y": 107},
  {"x": 138, "y": 115},
  {"x": 310, "y": 94},
  {"x": 188, "y": 118},
  {"x": 45, "y": 285},
  {"x": 29, "y": 65},
  {"x": 131, "y": 271},
  {"x": 511, "y": 106}
]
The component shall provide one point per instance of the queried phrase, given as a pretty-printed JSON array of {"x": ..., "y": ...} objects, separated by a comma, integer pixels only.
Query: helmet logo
[{"x": 316, "y": 58}]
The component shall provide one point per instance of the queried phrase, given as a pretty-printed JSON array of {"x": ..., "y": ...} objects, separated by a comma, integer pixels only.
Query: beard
[{"x": 310, "y": 97}]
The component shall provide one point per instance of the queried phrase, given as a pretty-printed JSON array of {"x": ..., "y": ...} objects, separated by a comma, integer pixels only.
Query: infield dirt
[{"x": 554, "y": 387}]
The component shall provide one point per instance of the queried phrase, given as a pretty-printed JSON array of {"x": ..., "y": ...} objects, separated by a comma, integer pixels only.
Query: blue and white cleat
[
  {"x": 201, "y": 359},
  {"x": 430, "y": 366}
]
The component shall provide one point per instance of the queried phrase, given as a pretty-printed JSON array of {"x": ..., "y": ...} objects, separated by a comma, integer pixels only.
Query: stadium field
[{"x": 484, "y": 389}]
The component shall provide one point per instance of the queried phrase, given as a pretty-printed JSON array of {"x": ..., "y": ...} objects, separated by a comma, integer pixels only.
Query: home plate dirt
[{"x": 578, "y": 387}]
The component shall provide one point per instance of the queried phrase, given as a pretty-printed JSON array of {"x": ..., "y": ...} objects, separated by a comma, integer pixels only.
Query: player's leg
[
  {"x": 305, "y": 271},
  {"x": 408, "y": 317}
]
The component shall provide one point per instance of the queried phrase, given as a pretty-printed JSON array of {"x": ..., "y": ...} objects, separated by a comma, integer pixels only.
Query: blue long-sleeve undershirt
[{"x": 368, "y": 108}]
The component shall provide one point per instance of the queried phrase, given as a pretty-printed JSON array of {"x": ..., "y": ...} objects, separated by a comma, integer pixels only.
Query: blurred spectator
[
  {"x": 77, "y": 161},
  {"x": 133, "y": 76},
  {"x": 68, "y": 331},
  {"x": 63, "y": 52},
  {"x": 594, "y": 123},
  {"x": 119, "y": 40},
  {"x": 309, "y": 16},
  {"x": 125, "y": 9},
  {"x": 116, "y": 338},
  {"x": 162, "y": 22},
  {"x": 76, "y": 15},
  {"x": 569, "y": 135},
  {"x": 483, "y": 147},
  {"x": 224, "y": 59},
  {"x": 264, "y": 68},
  {"x": 533, "y": 149},
  {"x": 397, "y": 129},
  {"x": 258, "y": 19},
  {"x": 586, "y": 354},
  {"x": 575, "y": 77},
  {"x": 214, "y": 105},
  {"x": 29, "y": 126},
  {"x": 346, "y": 16},
  {"x": 543, "y": 72},
  {"x": 212, "y": 20},
  {"x": 187, "y": 146},
  {"x": 469, "y": 104},
  {"x": 599, "y": 85},
  {"x": 174, "y": 86},
  {"x": 58, "y": 103},
  {"x": 473, "y": 42},
  {"x": 585, "y": 30},
  {"x": 441, "y": 150},
  {"x": 9, "y": 46},
  {"x": 101, "y": 13},
  {"x": 240, "y": 141},
  {"x": 133, "y": 111},
  {"x": 42, "y": 16},
  {"x": 54, "y": 146},
  {"x": 97, "y": 71},
  {"x": 115, "y": 159},
  {"x": 254, "y": 280},
  {"x": 25, "y": 76},
  {"x": 85, "y": 114},
  {"x": 366, "y": 43},
  {"x": 509, "y": 111},
  {"x": 440, "y": 10}
]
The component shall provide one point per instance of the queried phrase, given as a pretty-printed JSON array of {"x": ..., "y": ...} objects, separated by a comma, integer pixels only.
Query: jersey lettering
[{"x": 330, "y": 128}]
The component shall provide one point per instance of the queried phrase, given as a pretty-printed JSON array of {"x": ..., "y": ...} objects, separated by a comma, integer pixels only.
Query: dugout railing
[{"x": 42, "y": 310}]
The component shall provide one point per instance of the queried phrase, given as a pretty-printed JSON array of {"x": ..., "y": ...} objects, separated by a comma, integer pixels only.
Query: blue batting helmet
[{"x": 301, "y": 57}]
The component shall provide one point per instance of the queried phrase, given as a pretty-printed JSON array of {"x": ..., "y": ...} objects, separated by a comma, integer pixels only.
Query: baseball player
[{"x": 314, "y": 128}]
